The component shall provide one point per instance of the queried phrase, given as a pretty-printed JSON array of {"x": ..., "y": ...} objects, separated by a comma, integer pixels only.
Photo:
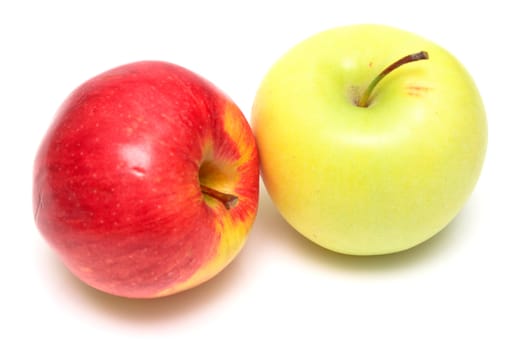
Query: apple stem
[
  {"x": 228, "y": 200},
  {"x": 422, "y": 55}
]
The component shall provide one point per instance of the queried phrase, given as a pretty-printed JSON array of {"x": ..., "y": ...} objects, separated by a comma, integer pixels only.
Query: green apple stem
[
  {"x": 422, "y": 55},
  {"x": 228, "y": 200}
]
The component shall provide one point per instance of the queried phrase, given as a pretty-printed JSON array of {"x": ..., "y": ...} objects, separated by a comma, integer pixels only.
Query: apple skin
[
  {"x": 373, "y": 180},
  {"x": 117, "y": 180}
]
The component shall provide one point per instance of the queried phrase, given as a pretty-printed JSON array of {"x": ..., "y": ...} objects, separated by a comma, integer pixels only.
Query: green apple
[{"x": 363, "y": 165}]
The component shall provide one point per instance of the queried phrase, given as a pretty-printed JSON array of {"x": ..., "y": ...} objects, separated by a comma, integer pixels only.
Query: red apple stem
[
  {"x": 228, "y": 200},
  {"x": 422, "y": 55}
]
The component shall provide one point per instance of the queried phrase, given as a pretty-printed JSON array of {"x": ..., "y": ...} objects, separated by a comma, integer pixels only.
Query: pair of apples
[{"x": 146, "y": 183}]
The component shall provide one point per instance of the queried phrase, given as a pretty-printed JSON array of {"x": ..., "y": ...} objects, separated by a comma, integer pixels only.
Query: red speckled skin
[{"x": 116, "y": 179}]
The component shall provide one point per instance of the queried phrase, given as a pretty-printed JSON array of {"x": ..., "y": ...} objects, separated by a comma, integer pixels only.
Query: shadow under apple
[{"x": 148, "y": 311}]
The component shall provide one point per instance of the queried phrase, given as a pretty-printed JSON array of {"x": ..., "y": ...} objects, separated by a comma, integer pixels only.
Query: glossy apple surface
[
  {"x": 376, "y": 179},
  {"x": 118, "y": 180}
]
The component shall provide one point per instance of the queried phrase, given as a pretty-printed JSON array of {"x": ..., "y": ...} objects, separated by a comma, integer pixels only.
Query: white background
[{"x": 458, "y": 290}]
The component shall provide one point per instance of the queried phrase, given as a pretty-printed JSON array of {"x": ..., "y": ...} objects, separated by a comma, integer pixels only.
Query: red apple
[{"x": 146, "y": 184}]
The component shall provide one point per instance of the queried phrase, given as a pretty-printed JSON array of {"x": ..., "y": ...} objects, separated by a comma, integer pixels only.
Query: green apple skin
[{"x": 376, "y": 179}]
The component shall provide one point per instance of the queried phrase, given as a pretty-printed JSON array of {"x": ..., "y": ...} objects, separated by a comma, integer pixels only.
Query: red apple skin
[{"x": 117, "y": 179}]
